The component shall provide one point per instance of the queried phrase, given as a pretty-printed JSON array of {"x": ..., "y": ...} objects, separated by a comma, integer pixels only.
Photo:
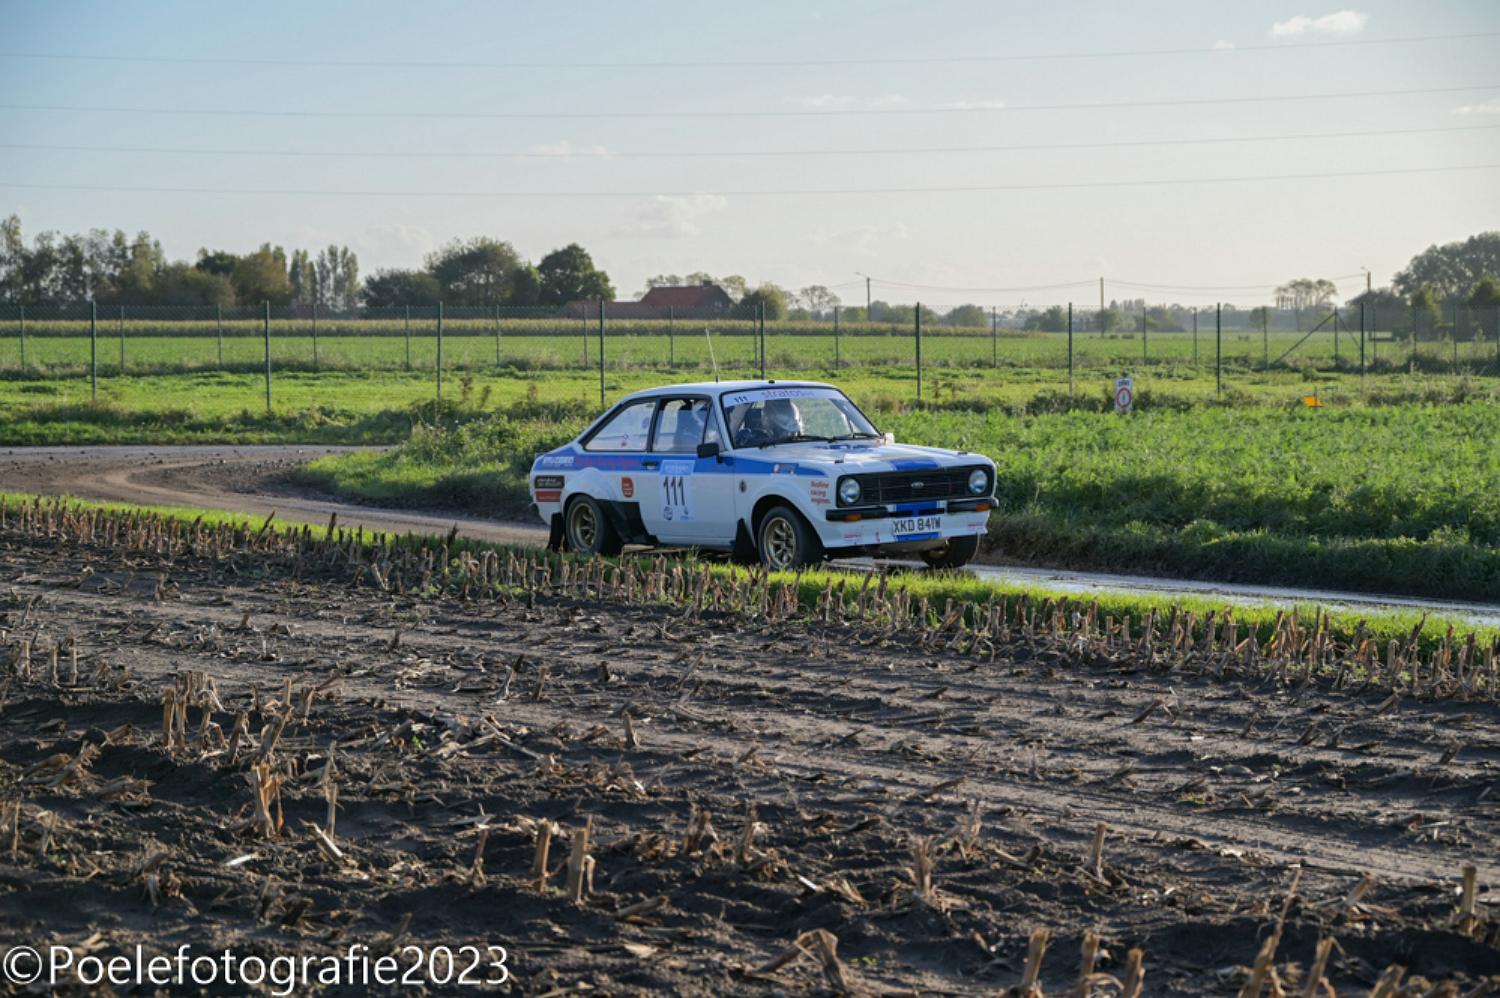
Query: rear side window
[
  {"x": 627, "y": 430},
  {"x": 680, "y": 428}
]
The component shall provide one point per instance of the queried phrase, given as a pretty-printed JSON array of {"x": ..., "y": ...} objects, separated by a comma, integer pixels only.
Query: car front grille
[{"x": 915, "y": 486}]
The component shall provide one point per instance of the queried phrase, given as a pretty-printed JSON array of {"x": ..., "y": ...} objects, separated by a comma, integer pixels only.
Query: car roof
[{"x": 718, "y": 387}]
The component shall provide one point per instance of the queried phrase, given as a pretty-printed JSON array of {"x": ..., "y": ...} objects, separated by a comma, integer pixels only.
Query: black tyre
[
  {"x": 587, "y": 528},
  {"x": 956, "y": 552},
  {"x": 785, "y": 542}
]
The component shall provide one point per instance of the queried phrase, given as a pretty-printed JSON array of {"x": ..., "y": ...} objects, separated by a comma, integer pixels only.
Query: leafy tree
[
  {"x": 393, "y": 288},
  {"x": 852, "y": 313},
  {"x": 1053, "y": 320},
  {"x": 262, "y": 277},
  {"x": 186, "y": 284},
  {"x": 479, "y": 271},
  {"x": 569, "y": 274},
  {"x": 1484, "y": 302},
  {"x": 735, "y": 286},
  {"x": 218, "y": 261},
  {"x": 1425, "y": 312},
  {"x": 967, "y": 315},
  {"x": 817, "y": 299},
  {"x": 1451, "y": 270},
  {"x": 303, "y": 274},
  {"x": 768, "y": 295},
  {"x": 1110, "y": 320},
  {"x": 663, "y": 281},
  {"x": 335, "y": 277},
  {"x": 699, "y": 277},
  {"x": 526, "y": 288}
]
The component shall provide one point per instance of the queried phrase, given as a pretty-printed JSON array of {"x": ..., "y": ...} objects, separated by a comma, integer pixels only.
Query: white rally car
[{"x": 790, "y": 472}]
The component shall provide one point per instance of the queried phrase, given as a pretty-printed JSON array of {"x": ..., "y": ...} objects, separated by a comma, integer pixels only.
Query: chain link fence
[{"x": 286, "y": 348}]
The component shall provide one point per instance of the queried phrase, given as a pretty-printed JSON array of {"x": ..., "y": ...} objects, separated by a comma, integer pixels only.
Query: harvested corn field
[{"x": 638, "y": 777}]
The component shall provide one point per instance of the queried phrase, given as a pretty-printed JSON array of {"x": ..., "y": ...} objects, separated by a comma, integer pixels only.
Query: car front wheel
[
  {"x": 956, "y": 552},
  {"x": 588, "y": 528},
  {"x": 785, "y": 542}
]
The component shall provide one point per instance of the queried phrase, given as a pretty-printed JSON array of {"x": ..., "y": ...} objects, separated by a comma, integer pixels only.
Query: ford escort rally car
[{"x": 786, "y": 472}]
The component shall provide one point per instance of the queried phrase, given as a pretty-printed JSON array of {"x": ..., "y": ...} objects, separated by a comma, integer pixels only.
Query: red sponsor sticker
[
  {"x": 627, "y": 487},
  {"x": 548, "y": 495}
]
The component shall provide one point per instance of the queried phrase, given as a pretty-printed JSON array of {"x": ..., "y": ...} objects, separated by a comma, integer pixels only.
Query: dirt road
[
  {"x": 926, "y": 807},
  {"x": 256, "y": 480}
]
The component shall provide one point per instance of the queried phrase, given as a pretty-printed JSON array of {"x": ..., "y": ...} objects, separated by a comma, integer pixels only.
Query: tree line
[{"x": 113, "y": 268}]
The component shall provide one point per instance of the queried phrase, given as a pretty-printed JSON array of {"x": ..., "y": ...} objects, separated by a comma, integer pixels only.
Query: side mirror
[
  {"x": 708, "y": 450},
  {"x": 888, "y": 438}
]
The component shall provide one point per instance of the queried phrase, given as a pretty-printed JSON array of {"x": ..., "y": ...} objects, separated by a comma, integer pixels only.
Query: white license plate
[{"x": 917, "y": 525}]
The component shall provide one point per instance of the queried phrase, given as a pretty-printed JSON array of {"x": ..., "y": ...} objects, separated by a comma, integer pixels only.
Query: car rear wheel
[
  {"x": 956, "y": 552},
  {"x": 588, "y": 528},
  {"x": 785, "y": 542}
]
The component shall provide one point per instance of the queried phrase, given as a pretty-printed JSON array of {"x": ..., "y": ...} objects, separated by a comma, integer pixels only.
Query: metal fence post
[
  {"x": 1219, "y": 348},
  {"x": 408, "y": 337},
  {"x": 671, "y": 337},
  {"x": 919, "y": 352},
  {"x": 266, "y": 329},
  {"x": 1195, "y": 337},
  {"x": 583, "y": 310},
  {"x": 315, "y": 333},
  {"x": 23, "y": 336},
  {"x": 601, "y": 353},
  {"x": 94, "y": 349},
  {"x": 122, "y": 339},
  {"x": 1361, "y": 338},
  {"x": 497, "y": 334},
  {"x": 1265, "y": 337},
  {"x": 1145, "y": 346},
  {"x": 994, "y": 338},
  {"x": 1374, "y": 340},
  {"x": 761, "y": 314},
  {"x": 1070, "y": 348},
  {"x": 440, "y": 353},
  {"x": 219, "y": 332},
  {"x": 836, "y": 357}
]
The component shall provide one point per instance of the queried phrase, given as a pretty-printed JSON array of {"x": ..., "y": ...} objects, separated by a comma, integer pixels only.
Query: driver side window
[
  {"x": 626, "y": 431},
  {"x": 681, "y": 426}
]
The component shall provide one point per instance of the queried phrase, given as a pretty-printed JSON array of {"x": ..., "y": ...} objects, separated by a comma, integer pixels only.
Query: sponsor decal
[
  {"x": 761, "y": 394},
  {"x": 549, "y": 495},
  {"x": 549, "y": 481},
  {"x": 818, "y": 492},
  {"x": 627, "y": 487},
  {"x": 556, "y": 461}
]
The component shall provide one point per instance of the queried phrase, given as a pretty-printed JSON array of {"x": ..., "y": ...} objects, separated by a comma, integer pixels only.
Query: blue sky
[{"x": 1189, "y": 242}]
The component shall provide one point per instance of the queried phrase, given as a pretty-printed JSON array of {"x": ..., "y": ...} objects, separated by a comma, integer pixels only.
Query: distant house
[
  {"x": 705, "y": 297},
  {"x": 693, "y": 301}
]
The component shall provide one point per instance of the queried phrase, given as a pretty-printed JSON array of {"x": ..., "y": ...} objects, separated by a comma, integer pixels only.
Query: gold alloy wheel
[
  {"x": 583, "y": 525},
  {"x": 779, "y": 538}
]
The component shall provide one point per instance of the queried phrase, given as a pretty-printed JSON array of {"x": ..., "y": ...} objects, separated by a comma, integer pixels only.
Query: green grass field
[
  {"x": 60, "y": 349},
  {"x": 1396, "y": 498}
]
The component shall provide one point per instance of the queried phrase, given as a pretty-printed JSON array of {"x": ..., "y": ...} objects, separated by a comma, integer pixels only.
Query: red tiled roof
[{"x": 693, "y": 296}]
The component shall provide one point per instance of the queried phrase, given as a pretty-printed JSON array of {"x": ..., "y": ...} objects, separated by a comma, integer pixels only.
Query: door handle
[{"x": 650, "y": 465}]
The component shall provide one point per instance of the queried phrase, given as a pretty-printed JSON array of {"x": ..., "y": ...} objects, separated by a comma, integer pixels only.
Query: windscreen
[{"x": 762, "y": 417}]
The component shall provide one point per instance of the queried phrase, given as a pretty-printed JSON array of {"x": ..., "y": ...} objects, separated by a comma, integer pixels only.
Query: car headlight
[
  {"x": 979, "y": 481},
  {"x": 849, "y": 491}
]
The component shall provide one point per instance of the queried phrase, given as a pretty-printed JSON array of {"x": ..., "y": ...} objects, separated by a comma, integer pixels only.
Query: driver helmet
[{"x": 782, "y": 418}]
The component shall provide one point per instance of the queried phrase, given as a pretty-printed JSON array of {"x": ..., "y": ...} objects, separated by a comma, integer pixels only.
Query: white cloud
[
  {"x": 1344, "y": 22},
  {"x": 833, "y": 102},
  {"x": 1221, "y": 45},
  {"x": 566, "y": 150},
  {"x": 1491, "y": 106},
  {"x": 862, "y": 240},
  {"x": 673, "y": 216}
]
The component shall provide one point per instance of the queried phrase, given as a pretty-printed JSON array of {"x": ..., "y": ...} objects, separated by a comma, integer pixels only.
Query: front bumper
[{"x": 880, "y": 526}]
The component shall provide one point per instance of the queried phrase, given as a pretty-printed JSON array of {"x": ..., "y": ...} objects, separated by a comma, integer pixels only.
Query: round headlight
[
  {"x": 979, "y": 481},
  {"x": 849, "y": 492}
]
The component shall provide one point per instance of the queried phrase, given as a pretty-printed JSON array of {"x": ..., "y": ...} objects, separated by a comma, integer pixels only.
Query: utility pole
[{"x": 867, "y": 299}]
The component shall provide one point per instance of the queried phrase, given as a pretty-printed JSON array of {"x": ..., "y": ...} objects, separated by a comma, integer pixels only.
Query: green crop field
[
  {"x": 64, "y": 348},
  {"x": 1395, "y": 498}
]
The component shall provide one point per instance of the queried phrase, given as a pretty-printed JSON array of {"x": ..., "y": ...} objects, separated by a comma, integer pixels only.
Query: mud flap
[{"x": 556, "y": 538}]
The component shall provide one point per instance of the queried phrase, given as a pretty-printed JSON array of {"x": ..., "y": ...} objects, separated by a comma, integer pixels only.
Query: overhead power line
[
  {"x": 732, "y": 154},
  {"x": 1214, "y": 49},
  {"x": 804, "y": 192},
  {"x": 805, "y": 113}
]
